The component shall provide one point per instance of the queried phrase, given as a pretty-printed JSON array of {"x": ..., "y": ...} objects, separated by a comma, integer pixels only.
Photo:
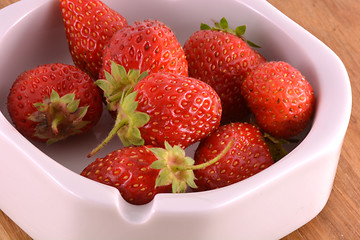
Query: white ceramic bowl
[{"x": 42, "y": 191}]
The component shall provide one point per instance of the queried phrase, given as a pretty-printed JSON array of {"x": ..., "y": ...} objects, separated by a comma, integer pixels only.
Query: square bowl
[{"x": 44, "y": 194}]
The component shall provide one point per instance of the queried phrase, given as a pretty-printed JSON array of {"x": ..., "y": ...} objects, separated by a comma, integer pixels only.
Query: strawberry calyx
[
  {"x": 177, "y": 169},
  {"x": 127, "y": 123},
  {"x": 129, "y": 120},
  {"x": 58, "y": 117},
  {"x": 223, "y": 25},
  {"x": 117, "y": 82}
]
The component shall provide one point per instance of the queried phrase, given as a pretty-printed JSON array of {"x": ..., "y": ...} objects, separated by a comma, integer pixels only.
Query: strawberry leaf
[
  {"x": 251, "y": 44},
  {"x": 276, "y": 146},
  {"x": 142, "y": 75},
  {"x": 115, "y": 74},
  {"x": 158, "y": 164},
  {"x": 189, "y": 161},
  {"x": 240, "y": 30},
  {"x": 131, "y": 137},
  {"x": 122, "y": 71},
  {"x": 129, "y": 104},
  {"x": 41, "y": 107},
  {"x": 82, "y": 111},
  {"x": 73, "y": 106},
  {"x": 140, "y": 118},
  {"x": 164, "y": 178},
  {"x": 190, "y": 179},
  {"x": 111, "y": 78},
  {"x": 68, "y": 98},
  {"x": 104, "y": 85},
  {"x": 204, "y": 26},
  {"x": 223, "y": 23},
  {"x": 178, "y": 186},
  {"x": 54, "y": 96}
]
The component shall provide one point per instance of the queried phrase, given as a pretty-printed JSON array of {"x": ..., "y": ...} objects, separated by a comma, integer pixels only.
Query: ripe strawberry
[
  {"x": 128, "y": 169},
  {"x": 280, "y": 98},
  {"x": 54, "y": 101},
  {"x": 141, "y": 172},
  {"x": 189, "y": 109},
  {"x": 166, "y": 107},
  {"x": 148, "y": 46},
  {"x": 248, "y": 155},
  {"x": 89, "y": 25},
  {"x": 222, "y": 58}
]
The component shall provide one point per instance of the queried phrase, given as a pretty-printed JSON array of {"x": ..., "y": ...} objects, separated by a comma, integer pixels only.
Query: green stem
[
  {"x": 112, "y": 133},
  {"x": 209, "y": 163}
]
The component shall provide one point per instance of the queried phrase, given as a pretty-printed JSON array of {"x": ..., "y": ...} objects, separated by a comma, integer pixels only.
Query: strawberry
[
  {"x": 189, "y": 109},
  {"x": 248, "y": 155},
  {"x": 280, "y": 97},
  {"x": 222, "y": 58},
  {"x": 147, "y": 46},
  {"x": 89, "y": 25},
  {"x": 141, "y": 172},
  {"x": 128, "y": 169},
  {"x": 54, "y": 101},
  {"x": 166, "y": 107}
]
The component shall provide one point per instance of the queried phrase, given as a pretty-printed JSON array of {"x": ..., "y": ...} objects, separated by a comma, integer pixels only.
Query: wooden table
[{"x": 336, "y": 23}]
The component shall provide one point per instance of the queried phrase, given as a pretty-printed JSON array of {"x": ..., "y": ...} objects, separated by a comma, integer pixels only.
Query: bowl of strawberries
[{"x": 126, "y": 122}]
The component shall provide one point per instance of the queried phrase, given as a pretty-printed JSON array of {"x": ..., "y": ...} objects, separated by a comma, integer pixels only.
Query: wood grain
[{"x": 336, "y": 23}]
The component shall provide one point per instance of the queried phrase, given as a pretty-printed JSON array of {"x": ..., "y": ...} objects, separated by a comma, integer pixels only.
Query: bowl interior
[{"x": 38, "y": 38}]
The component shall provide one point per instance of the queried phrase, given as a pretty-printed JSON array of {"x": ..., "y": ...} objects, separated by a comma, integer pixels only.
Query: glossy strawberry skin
[
  {"x": 148, "y": 46},
  {"x": 89, "y": 25},
  {"x": 281, "y": 99},
  {"x": 128, "y": 170},
  {"x": 182, "y": 110},
  {"x": 248, "y": 156},
  {"x": 222, "y": 60},
  {"x": 32, "y": 86}
]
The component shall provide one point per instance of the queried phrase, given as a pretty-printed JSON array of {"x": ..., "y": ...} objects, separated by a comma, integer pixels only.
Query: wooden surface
[{"x": 336, "y": 23}]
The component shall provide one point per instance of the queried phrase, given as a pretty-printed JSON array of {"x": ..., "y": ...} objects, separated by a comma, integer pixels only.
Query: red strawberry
[
  {"x": 141, "y": 172},
  {"x": 248, "y": 155},
  {"x": 148, "y": 46},
  {"x": 54, "y": 101},
  {"x": 280, "y": 97},
  {"x": 89, "y": 25},
  {"x": 128, "y": 169},
  {"x": 222, "y": 58},
  {"x": 167, "y": 107}
]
